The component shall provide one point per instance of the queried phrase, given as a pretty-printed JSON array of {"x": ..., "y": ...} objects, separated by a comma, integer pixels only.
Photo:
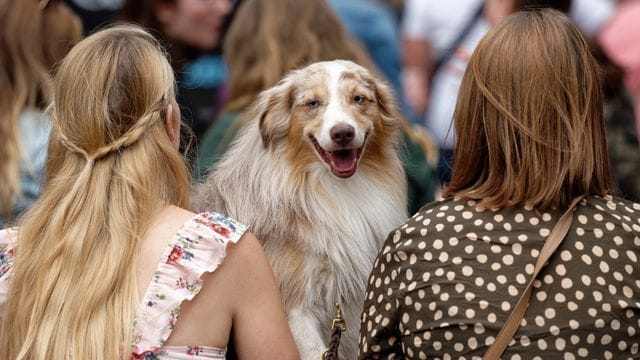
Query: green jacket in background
[{"x": 214, "y": 143}]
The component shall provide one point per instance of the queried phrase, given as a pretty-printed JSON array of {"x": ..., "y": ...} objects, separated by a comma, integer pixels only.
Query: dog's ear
[
  {"x": 386, "y": 102},
  {"x": 273, "y": 109}
]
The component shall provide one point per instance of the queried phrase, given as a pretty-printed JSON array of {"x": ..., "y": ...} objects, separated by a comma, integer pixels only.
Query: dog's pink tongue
[{"x": 344, "y": 162}]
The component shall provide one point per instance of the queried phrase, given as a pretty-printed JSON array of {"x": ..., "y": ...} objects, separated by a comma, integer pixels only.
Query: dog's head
[{"x": 334, "y": 111}]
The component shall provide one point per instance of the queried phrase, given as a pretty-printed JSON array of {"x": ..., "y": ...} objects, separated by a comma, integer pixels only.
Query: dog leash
[
  {"x": 337, "y": 328},
  {"x": 557, "y": 235}
]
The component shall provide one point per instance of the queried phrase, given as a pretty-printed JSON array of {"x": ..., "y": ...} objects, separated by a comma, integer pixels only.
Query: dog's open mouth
[{"x": 343, "y": 162}]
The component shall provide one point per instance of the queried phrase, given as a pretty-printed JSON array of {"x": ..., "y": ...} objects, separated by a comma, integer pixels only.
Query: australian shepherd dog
[{"x": 316, "y": 174}]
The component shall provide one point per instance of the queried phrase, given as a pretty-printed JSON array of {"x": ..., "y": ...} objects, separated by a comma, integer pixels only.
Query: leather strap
[
  {"x": 337, "y": 327},
  {"x": 557, "y": 235},
  {"x": 332, "y": 351}
]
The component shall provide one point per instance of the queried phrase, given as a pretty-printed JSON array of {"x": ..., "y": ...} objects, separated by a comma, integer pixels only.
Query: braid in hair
[{"x": 129, "y": 138}]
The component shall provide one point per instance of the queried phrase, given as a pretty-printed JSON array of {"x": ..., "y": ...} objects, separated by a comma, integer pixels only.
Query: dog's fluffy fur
[{"x": 317, "y": 175}]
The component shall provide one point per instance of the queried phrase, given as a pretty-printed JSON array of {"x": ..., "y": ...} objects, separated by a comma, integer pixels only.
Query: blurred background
[{"x": 225, "y": 52}]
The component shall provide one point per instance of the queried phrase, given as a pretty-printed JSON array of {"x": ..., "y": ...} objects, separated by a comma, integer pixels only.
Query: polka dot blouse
[{"x": 445, "y": 282}]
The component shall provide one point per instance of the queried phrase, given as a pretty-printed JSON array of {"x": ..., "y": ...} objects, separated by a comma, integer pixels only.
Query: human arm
[
  {"x": 259, "y": 324},
  {"x": 416, "y": 72},
  {"x": 417, "y": 54}
]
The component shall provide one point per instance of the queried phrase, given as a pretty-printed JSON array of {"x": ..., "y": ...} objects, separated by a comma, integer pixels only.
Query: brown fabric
[
  {"x": 551, "y": 244},
  {"x": 445, "y": 282}
]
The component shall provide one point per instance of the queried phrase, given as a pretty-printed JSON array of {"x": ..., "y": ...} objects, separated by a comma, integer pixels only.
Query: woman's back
[
  {"x": 179, "y": 248},
  {"x": 472, "y": 264},
  {"x": 106, "y": 260},
  {"x": 182, "y": 256}
]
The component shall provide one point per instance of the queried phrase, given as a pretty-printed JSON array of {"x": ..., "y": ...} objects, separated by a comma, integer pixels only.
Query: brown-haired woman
[
  {"x": 529, "y": 121},
  {"x": 34, "y": 35},
  {"x": 107, "y": 264}
]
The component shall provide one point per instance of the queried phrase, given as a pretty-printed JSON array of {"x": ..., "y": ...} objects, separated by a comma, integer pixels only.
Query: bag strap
[
  {"x": 458, "y": 39},
  {"x": 558, "y": 233},
  {"x": 337, "y": 327}
]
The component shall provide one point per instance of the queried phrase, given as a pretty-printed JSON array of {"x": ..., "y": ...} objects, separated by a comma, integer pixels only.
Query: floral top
[{"x": 199, "y": 246}]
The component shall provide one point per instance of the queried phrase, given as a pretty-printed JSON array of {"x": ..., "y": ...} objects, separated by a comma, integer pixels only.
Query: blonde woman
[
  {"x": 529, "y": 121},
  {"x": 34, "y": 35},
  {"x": 107, "y": 264}
]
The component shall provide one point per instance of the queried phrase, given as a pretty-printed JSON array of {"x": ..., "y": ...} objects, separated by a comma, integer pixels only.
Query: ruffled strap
[
  {"x": 197, "y": 248},
  {"x": 7, "y": 250},
  {"x": 7, "y": 256}
]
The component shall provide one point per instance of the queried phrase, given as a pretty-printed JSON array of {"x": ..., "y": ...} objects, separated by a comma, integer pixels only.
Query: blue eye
[
  {"x": 359, "y": 99},
  {"x": 312, "y": 104}
]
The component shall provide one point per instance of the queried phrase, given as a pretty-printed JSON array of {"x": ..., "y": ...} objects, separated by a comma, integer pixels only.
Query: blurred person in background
[
  {"x": 438, "y": 39},
  {"x": 397, "y": 6},
  {"x": 267, "y": 39},
  {"x": 374, "y": 24},
  {"x": 591, "y": 16},
  {"x": 382, "y": 41},
  {"x": 34, "y": 36},
  {"x": 619, "y": 124},
  {"x": 619, "y": 39},
  {"x": 95, "y": 13},
  {"x": 192, "y": 30}
]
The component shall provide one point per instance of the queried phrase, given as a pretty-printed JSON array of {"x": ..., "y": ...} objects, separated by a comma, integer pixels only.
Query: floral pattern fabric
[
  {"x": 7, "y": 254},
  {"x": 197, "y": 248}
]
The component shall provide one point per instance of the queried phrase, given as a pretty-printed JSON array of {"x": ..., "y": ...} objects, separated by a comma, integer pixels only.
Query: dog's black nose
[{"x": 342, "y": 134}]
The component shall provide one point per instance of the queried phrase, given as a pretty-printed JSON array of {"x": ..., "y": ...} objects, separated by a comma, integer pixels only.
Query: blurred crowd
[{"x": 225, "y": 52}]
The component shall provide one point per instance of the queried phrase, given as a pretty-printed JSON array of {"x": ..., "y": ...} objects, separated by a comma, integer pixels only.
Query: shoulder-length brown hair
[
  {"x": 268, "y": 38},
  {"x": 529, "y": 117}
]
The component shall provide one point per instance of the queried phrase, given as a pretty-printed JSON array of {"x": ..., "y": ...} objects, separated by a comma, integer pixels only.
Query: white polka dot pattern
[{"x": 443, "y": 290}]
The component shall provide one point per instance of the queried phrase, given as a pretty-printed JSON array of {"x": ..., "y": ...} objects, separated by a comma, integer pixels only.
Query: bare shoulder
[
  {"x": 245, "y": 270},
  {"x": 246, "y": 248},
  {"x": 170, "y": 219},
  {"x": 162, "y": 228},
  {"x": 240, "y": 276},
  {"x": 178, "y": 214},
  {"x": 246, "y": 257}
]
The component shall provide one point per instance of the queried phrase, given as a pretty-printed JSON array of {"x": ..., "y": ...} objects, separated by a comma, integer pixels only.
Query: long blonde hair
[
  {"x": 111, "y": 165},
  {"x": 529, "y": 117},
  {"x": 32, "y": 40}
]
